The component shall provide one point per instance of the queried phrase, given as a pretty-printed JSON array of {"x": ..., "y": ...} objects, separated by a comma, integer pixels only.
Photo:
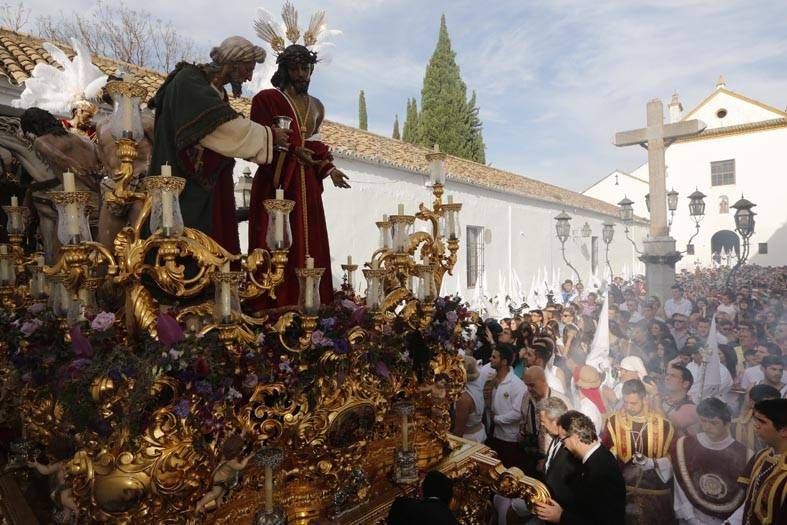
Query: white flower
[{"x": 233, "y": 394}]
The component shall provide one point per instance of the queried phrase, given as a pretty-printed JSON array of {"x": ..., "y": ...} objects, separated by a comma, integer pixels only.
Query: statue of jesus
[{"x": 299, "y": 171}]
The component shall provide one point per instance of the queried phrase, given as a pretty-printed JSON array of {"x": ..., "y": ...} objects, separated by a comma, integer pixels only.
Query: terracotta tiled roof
[{"x": 19, "y": 53}]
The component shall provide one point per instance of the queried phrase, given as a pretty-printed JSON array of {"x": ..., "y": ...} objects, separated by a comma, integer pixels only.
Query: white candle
[
  {"x": 278, "y": 222},
  {"x": 68, "y": 182},
  {"x": 224, "y": 296},
  {"x": 40, "y": 261},
  {"x": 14, "y": 221},
  {"x": 128, "y": 113},
  {"x": 14, "y": 200},
  {"x": 5, "y": 274},
  {"x": 349, "y": 260},
  {"x": 167, "y": 213},
  {"x": 268, "y": 489},
  {"x": 308, "y": 293},
  {"x": 401, "y": 209},
  {"x": 405, "y": 432},
  {"x": 451, "y": 221}
]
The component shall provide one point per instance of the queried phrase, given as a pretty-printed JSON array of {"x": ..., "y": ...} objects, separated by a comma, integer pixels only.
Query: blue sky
[{"x": 554, "y": 79}]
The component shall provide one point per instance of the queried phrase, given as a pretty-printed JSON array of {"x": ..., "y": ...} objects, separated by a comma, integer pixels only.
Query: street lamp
[
  {"x": 672, "y": 205},
  {"x": 627, "y": 216},
  {"x": 744, "y": 225},
  {"x": 563, "y": 230},
  {"x": 647, "y": 201},
  {"x": 696, "y": 212},
  {"x": 243, "y": 189},
  {"x": 607, "y": 233}
]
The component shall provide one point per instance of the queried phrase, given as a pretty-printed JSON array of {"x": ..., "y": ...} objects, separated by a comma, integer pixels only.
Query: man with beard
[
  {"x": 299, "y": 171},
  {"x": 640, "y": 439},
  {"x": 198, "y": 134}
]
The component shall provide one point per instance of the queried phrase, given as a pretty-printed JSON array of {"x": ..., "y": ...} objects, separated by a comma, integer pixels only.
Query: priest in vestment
[
  {"x": 640, "y": 440},
  {"x": 706, "y": 468},
  {"x": 200, "y": 135},
  {"x": 299, "y": 171}
]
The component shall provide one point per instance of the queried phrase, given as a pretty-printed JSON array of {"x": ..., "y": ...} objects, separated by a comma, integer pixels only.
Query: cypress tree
[
  {"x": 395, "y": 133},
  {"x": 475, "y": 147},
  {"x": 410, "y": 122},
  {"x": 363, "y": 119},
  {"x": 446, "y": 117}
]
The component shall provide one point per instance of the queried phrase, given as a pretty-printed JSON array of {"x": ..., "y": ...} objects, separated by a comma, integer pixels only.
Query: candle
[
  {"x": 268, "y": 488},
  {"x": 40, "y": 261},
  {"x": 127, "y": 114},
  {"x": 405, "y": 432},
  {"x": 349, "y": 260},
  {"x": 14, "y": 226},
  {"x": 167, "y": 214},
  {"x": 224, "y": 296},
  {"x": 68, "y": 182},
  {"x": 14, "y": 200},
  {"x": 401, "y": 209},
  {"x": 308, "y": 293},
  {"x": 278, "y": 222},
  {"x": 451, "y": 220},
  {"x": 5, "y": 274}
]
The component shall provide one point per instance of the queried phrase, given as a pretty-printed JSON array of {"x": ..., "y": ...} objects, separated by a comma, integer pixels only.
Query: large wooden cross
[{"x": 655, "y": 138}]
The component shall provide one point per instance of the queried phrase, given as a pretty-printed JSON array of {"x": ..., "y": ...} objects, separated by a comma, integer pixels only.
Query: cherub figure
[
  {"x": 225, "y": 477},
  {"x": 60, "y": 452}
]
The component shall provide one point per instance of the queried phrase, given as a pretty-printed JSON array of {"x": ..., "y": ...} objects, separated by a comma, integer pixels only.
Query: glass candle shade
[
  {"x": 17, "y": 218},
  {"x": 436, "y": 166},
  {"x": 309, "y": 282},
  {"x": 126, "y": 119},
  {"x": 384, "y": 227},
  {"x": 72, "y": 220},
  {"x": 38, "y": 284},
  {"x": 7, "y": 271},
  {"x": 165, "y": 216},
  {"x": 60, "y": 300},
  {"x": 226, "y": 307},
  {"x": 453, "y": 229},
  {"x": 279, "y": 234},
  {"x": 375, "y": 289},
  {"x": 86, "y": 299},
  {"x": 426, "y": 284},
  {"x": 401, "y": 226}
]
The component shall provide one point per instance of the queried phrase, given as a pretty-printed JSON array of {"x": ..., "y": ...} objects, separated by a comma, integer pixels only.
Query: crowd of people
[{"x": 682, "y": 420}]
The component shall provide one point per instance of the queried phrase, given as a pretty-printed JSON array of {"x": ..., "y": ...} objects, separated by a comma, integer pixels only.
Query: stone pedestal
[{"x": 659, "y": 255}]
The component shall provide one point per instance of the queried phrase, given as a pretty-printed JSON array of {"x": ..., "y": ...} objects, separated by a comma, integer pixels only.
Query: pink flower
[
  {"x": 169, "y": 331},
  {"x": 102, "y": 321}
]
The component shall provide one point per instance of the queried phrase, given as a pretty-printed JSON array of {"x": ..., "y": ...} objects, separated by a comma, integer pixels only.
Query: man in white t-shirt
[
  {"x": 506, "y": 406},
  {"x": 677, "y": 304}
]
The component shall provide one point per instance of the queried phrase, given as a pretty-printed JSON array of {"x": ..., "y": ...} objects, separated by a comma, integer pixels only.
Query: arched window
[{"x": 724, "y": 204}]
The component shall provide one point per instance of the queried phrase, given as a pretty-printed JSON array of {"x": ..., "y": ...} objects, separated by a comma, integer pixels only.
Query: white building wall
[
  {"x": 521, "y": 237},
  {"x": 611, "y": 189}
]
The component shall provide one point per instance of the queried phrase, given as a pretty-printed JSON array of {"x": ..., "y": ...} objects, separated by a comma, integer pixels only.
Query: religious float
[{"x": 137, "y": 378}]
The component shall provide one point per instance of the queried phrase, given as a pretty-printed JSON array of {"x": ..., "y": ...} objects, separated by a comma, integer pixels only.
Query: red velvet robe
[{"x": 302, "y": 184}]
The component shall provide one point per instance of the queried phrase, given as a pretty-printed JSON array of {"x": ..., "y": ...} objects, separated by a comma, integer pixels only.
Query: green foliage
[
  {"x": 410, "y": 121},
  {"x": 447, "y": 118},
  {"x": 363, "y": 118},
  {"x": 396, "y": 135}
]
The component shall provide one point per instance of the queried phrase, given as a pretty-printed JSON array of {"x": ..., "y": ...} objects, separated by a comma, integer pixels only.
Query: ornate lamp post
[
  {"x": 672, "y": 205},
  {"x": 744, "y": 225},
  {"x": 697, "y": 213},
  {"x": 627, "y": 216},
  {"x": 243, "y": 189},
  {"x": 563, "y": 230},
  {"x": 607, "y": 233}
]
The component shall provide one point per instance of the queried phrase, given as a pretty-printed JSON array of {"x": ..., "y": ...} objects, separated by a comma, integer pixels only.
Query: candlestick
[
  {"x": 278, "y": 222},
  {"x": 225, "y": 297},
  {"x": 167, "y": 214},
  {"x": 268, "y": 489}
]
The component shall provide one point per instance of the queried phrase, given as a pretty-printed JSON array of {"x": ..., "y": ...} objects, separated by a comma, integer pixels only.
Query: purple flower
[
  {"x": 233, "y": 394},
  {"x": 319, "y": 339},
  {"x": 169, "y": 331},
  {"x": 349, "y": 305},
  {"x": 203, "y": 387},
  {"x": 341, "y": 346},
  {"x": 451, "y": 316},
  {"x": 284, "y": 366},
  {"x": 328, "y": 323},
  {"x": 79, "y": 343},
  {"x": 250, "y": 381},
  {"x": 382, "y": 369},
  {"x": 36, "y": 308},
  {"x": 29, "y": 327},
  {"x": 102, "y": 321},
  {"x": 183, "y": 408}
]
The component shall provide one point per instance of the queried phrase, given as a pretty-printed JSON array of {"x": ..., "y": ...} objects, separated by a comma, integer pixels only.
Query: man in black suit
[
  {"x": 432, "y": 510},
  {"x": 600, "y": 495}
]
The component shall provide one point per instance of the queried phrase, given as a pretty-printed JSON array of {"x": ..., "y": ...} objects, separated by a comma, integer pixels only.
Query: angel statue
[
  {"x": 60, "y": 452},
  {"x": 226, "y": 475}
]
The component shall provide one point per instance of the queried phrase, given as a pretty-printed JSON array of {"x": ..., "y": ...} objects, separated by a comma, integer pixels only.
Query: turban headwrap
[{"x": 237, "y": 49}]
